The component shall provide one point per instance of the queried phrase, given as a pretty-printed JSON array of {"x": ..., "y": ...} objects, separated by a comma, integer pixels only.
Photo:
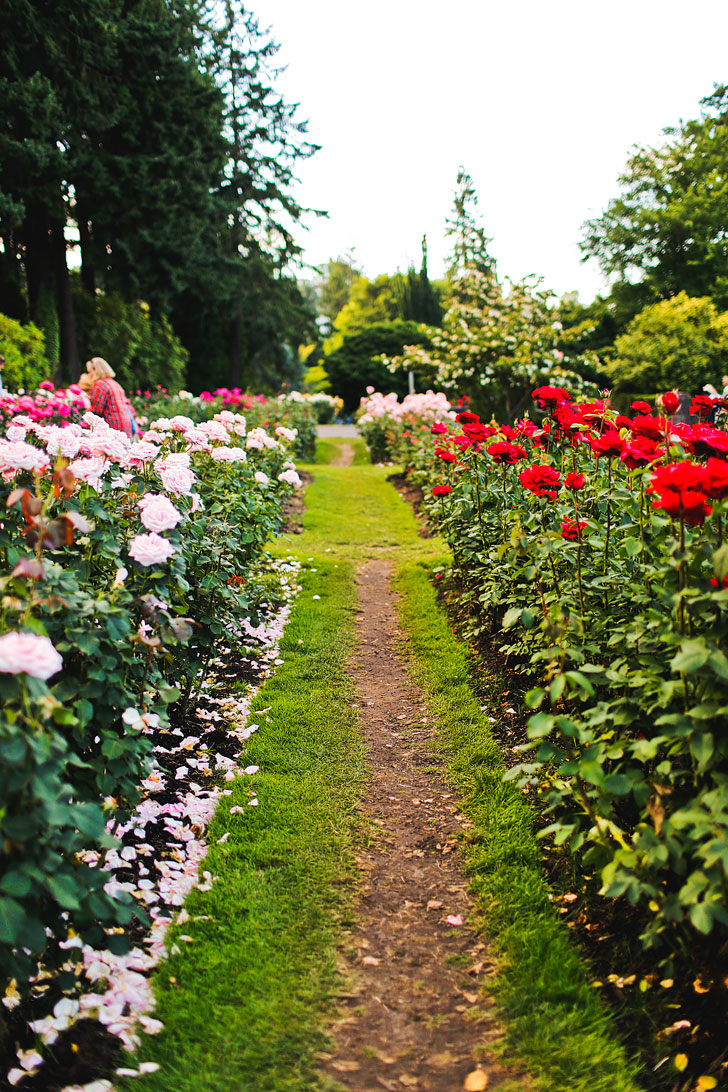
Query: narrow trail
[{"x": 414, "y": 1016}]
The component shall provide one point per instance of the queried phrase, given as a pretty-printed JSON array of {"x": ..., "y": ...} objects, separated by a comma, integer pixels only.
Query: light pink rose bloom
[
  {"x": 90, "y": 471},
  {"x": 110, "y": 442},
  {"x": 141, "y": 452},
  {"x": 290, "y": 477},
  {"x": 180, "y": 423},
  {"x": 177, "y": 480},
  {"x": 29, "y": 653},
  {"x": 261, "y": 478},
  {"x": 196, "y": 502},
  {"x": 214, "y": 430},
  {"x": 175, "y": 458},
  {"x": 18, "y": 455},
  {"x": 158, "y": 512},
  {"x": 151, "y": 549},
  {"x": 289, "y": 434},
  {"x": 228, "y": 455}
]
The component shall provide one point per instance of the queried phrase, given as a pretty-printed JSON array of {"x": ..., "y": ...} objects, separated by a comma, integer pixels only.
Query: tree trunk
[
  {"x": 236, "y": 343},
  {"x": 88, "y": 273},
  {"x": 70, "y": 363}
]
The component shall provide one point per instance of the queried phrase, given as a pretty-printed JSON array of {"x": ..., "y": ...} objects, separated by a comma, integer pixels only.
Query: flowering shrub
[
  {"x": 293, "y": 410},
  {"x": 591, "y": 547},
  {"x": 123, "y": 566},
  {"x": 386, "y": 423}
]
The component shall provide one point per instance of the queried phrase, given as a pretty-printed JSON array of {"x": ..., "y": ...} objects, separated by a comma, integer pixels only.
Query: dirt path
[
  {"x": 345, "y": 456},
  {"x": 414, "y": 1017}
]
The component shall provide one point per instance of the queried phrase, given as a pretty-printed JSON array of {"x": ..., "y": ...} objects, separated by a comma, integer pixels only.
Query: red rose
[
  {"x": 707, "y": 440},
  {"x": 623, "y": 422},
  {"x": 506, "y": 453},
  {"x": 641, "y": 452},
  {"x": 508, "y": 432},
  {"x": 719, "y": 584},
  {"x": 670, "y": 402},
  {"x": 541, "y": 479},
  {"x": 641, "y": 407},
  {"x": 652, "y": 427},
  {"x": 701, "y": 406},
  {"x": 467, "y": 418},
  {"x": 441, "y": 490},
  {"x": 574, "y": 481},
  {"x": 445, "y": 455},
  {"x": 677, "y": 476},
  {"x": 715, "y": 480},
  {"x": 549, "y": 398},
  {"x": 609, "y": 444},
  {"x": 438, "y": 429},
  {"x": 571, "y": 529},
  {"x": 687, "y": 505},
  {"x": 478, "y": 434}
]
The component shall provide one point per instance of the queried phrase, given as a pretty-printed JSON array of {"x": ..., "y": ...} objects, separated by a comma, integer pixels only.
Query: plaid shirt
[{"x": 109, "y": 401}]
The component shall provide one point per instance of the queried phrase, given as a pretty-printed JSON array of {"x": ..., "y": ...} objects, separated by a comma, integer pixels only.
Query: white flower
[
  {"x": 120, "y": 577},
  {"x": 261, "y": 478},
  {"x": 290, "y": 477}
]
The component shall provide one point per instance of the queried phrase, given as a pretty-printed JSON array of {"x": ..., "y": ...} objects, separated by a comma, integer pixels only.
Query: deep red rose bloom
[
  {"x": 641, "y": 452},
  {"x": 652, "y": 427},
  {"x": 548, "y": 398},
  {"x": 701, "y": 406},
  {"x": 467, "y": 418},
  {"x": 461, "y": 441},
  {"x": 508, "y": 432},
  {"x": 506, "y": 453},
  {"x": 687, "y": 505},
  {"x": 478, "y": 434},
  {"x": 438, "y": 429},
  {"x": 571, "y": 529},
  {"x": 677, "y": 476},
  {"x": 609, "y": 444},
  {"x": 441, "y": 490},
  {"x": 715, "y": 479},
  {"x": 593, "y": 413},
  {"x": 719, "y": 584},
  {"x": 623, "y": 422},
  {"x": 707, "y": 440},
  {"x": 574, "y": 481},
  {"x": 541, "y": 479},
  {"x": 524, "y": 427},
  {"x": 670, "y": 402},
  {"x": 641, "y": 407},
  {"x": 445, "y": 455}
]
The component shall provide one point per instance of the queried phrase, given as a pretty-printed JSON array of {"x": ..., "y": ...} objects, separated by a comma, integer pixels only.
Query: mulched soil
[
  {"x": 294, "y": 506},
  {"x": 414, "y": 1014}
]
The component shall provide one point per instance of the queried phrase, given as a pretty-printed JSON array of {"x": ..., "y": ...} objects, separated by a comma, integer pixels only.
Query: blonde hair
[{"x": 101, "y": 369}]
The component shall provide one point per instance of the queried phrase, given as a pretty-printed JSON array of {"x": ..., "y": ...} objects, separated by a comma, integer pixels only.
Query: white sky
[{"x": 539, "y": 101}]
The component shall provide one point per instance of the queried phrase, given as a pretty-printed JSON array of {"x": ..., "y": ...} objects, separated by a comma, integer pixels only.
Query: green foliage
[
  {"x": 678, "y": 343},
  {"x": 141, "y": 350},
  {"x": 356, "y": 364},
  {"x": 24, "y": 350},
  {"x": 497, "y": 342},
  {"x": 666, "y": 232},
  {"x": 624, "y": 628},
  {"x": 370, "y": 303},
  {"x": 340, "y": 275}
]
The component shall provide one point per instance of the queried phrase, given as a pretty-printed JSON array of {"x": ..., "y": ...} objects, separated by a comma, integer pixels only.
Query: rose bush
[
  {"x": 590, "y": 547},
  {"x": 123, "y": 565}
]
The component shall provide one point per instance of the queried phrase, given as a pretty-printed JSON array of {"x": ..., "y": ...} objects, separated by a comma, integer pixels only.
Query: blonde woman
[{"x": 108, "y": 399}]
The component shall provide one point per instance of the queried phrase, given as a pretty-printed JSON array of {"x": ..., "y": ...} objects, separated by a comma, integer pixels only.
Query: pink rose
[
  {"x": 177, "y": 479},
  {"x": 151, "y": 549},
  {"x": 158, "y": 512},
  {"x": 29, "y": 653}
]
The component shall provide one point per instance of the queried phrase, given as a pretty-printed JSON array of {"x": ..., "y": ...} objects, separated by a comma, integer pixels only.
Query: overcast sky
[{"x": 540, "y": 101}]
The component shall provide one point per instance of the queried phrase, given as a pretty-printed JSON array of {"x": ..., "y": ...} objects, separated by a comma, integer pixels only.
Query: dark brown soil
[
  {"x": 294, "y": 507},
  {"x": 415, "y": 1014}
]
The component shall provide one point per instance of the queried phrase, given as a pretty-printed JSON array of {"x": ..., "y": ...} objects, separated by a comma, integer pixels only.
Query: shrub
[
  {"x": 24, "y": 350},
  {"x": 356, "y": 365},
  {"x": 142, "y": 351}
]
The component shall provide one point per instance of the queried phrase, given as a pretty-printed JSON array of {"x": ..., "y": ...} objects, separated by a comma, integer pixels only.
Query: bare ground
[{"x": 414, "y": 1015}]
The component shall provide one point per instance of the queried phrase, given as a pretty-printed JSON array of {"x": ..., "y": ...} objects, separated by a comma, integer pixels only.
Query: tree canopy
[
  {"x": 152, "y": 129},
  {"x": 667, "y": 232},
  {"x": 677, "y": 343}
]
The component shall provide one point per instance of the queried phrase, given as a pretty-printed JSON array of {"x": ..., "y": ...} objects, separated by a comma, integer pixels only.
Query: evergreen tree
[{"x": 469, "y": 241}]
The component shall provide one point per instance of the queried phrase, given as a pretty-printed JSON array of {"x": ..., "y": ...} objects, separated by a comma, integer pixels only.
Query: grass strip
[
  {"x": 328, "y": 450},
  {"x": 243, "y": 1003},
  {"x": 553, "y": 1019}
]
